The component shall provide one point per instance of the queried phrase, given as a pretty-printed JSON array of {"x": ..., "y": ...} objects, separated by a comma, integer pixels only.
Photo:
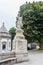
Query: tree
[
  {"x": 32, "y": 14},
  {"x": 12, "y": 32}
]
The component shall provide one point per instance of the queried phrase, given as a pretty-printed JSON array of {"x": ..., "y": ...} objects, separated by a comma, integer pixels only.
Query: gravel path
[{"x": 35, "y": 58}]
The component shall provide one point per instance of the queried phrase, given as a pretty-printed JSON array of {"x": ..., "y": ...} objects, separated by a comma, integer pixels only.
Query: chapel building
[{"x": 5, "y": 39}]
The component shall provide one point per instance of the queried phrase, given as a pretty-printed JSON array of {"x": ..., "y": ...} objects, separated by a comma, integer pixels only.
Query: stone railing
[{"x": 9, "y": 61}]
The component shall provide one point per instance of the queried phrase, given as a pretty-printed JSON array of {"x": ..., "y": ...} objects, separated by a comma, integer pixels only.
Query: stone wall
[
  {"x": 7, "y": 58},
  {"x": 7, "y": 55}
]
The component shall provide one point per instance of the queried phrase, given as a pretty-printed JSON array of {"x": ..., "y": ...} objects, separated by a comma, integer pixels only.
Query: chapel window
[{"x": 4, "y": 47}]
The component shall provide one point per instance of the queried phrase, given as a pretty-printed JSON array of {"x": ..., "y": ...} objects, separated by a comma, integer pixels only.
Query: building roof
[{"x": 3, "y": 31}]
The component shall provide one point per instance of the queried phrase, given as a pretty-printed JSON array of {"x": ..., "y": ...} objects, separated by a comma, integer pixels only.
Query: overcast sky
[{"x": 9, "y": 10}]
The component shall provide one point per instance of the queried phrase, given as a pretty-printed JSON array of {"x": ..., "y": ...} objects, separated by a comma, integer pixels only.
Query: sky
[{"x": 9, "y": 10}]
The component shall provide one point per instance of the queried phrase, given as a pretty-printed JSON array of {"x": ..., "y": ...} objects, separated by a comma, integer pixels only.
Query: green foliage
[
  {"x": 12, "y": 32},
  {"x": 32, "y": 14},
  {"x": 41, "y": 48}
]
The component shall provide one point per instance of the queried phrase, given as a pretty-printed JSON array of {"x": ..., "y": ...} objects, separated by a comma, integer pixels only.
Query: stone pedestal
[
  {"x": 20, "y": 45},
  {"x": 21, "y": 57}
]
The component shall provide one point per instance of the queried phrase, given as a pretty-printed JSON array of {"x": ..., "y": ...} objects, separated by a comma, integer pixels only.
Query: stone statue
[
  {"x": 19, "y": 42},
  {"x": 19, "y": 22}
]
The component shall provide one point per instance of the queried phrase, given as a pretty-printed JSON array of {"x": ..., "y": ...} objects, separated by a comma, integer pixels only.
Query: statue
[
  {"x": 19, "y": 22},
  {"x": 19, "y": 42}
]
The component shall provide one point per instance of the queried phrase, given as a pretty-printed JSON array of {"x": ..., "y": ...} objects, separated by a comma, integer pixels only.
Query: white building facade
[{"x": 5, "y": 39}]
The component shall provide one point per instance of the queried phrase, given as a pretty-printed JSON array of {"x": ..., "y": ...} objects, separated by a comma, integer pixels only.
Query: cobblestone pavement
[{"x": 35, "y": 58}]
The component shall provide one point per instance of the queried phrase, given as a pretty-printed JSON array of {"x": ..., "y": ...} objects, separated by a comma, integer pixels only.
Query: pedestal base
[{"x": 22, "y": 57}]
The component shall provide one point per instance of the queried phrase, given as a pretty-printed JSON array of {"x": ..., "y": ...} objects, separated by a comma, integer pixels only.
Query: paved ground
[{"x": 35, "y": 58}]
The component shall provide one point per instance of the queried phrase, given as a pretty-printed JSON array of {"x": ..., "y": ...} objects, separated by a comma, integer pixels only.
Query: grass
[{"x": 41, "y": 48}]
